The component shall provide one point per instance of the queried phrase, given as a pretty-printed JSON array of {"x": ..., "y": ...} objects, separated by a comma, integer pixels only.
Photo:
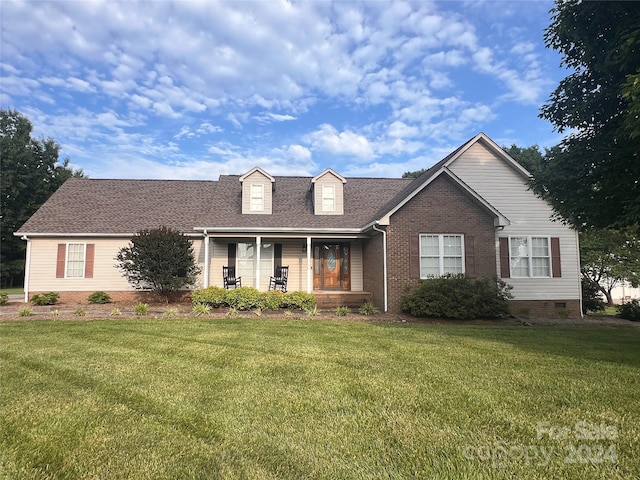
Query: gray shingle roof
[
  {"x": 127, "y": 206},
  {"x": 121, "y": 206}
]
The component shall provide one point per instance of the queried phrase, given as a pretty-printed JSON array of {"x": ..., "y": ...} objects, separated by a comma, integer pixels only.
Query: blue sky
[{"x": 192, "y": 90}]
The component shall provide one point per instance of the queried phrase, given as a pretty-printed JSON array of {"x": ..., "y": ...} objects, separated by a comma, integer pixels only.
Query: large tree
[
  {"x": 30, "y": 173},
  {"x": 592, "y": 176},
  {"x": 608, "y": 258},
  {"x": 161, "y": 260}
]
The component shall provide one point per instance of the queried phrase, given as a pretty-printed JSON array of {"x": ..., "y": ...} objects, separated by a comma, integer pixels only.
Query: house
[{"x": 344, "y": 239}]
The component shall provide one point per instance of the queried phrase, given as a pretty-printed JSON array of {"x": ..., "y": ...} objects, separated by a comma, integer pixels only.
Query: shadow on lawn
[{"x": 601, "y": 344}]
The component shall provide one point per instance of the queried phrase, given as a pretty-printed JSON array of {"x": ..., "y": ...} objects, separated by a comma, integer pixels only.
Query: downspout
[
  {"x": 384, "y": 261},
  {"x": 206, "y": 259},
  {"x": 579, "y": 273},
  {"x": 27, "y": 268},
  {"x": 309, "y": 267}
]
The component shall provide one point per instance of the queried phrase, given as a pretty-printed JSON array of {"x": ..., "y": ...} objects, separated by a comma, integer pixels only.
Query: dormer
[
  {"x": 257, "y": 188},
  {"x": 328, "y": 193}
]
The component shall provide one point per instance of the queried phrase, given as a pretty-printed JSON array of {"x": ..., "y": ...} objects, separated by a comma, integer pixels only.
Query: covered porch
[{"x": 330, "y": 267}]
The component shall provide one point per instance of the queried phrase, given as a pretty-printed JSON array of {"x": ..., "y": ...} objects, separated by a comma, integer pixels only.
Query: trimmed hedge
[
  {"x": 458, "y": 297},
  {"x": 249, "y": 298}
]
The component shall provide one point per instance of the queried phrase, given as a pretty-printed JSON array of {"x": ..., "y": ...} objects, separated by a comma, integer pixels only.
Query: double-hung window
[
  {"x": 441, "y": 254},
  {"x": 257, "y": 197},
  {"x": 328, "y": 198},
  {"x": 530, "y": 256},
  {"x": 75, "y": 261}
]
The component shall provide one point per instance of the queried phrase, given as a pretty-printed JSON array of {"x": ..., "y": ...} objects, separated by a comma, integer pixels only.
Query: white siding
[
  {"x": 253, "y": 179},
  {"x": 507, "y": 190},
  {"x": 106, "y": 277},
  {"x": 357, "y": 282}
]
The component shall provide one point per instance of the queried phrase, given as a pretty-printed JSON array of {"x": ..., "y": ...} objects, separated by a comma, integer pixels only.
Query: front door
[{"x": 332, "y": 266}]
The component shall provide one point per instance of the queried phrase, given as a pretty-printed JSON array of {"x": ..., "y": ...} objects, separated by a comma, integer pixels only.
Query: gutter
[
  {"x": 253, "y": 230},
  {"x": 384, "y": 261}
]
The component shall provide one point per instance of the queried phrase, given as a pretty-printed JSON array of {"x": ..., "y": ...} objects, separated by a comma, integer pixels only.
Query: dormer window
[
  {"x": 257, "y": 197},
  {"x": 328, "y": 198},
  {"x": 257, "y": 192},
  {"x": 328, "y": 193}
]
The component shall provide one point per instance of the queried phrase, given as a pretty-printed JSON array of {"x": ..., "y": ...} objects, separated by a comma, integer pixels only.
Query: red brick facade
[{"x": 442, "y": 207}]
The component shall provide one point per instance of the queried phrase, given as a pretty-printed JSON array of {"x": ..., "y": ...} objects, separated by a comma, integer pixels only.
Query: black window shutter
[{"x": 277, "y": 255}]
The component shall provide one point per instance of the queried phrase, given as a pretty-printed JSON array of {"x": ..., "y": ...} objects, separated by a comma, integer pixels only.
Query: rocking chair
[
  {"x": 230, "y": 279},
  {"x": 279, "y": 280}
]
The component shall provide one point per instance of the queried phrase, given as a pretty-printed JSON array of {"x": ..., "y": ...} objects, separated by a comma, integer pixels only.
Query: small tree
[{"x": 161, "y": 260}]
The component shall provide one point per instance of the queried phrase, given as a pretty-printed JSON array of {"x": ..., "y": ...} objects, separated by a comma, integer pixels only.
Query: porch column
[
  {"x": 206, "y": 259},
  {"x": 309, "y": 266},
  {"x": 258, "y": 247}
]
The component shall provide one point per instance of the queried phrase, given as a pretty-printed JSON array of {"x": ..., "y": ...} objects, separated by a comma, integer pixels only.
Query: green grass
[
  {"x": 266, "y": 399},
  {"x": 609, "y": 310},
  {"x": 12, "y": 291}
]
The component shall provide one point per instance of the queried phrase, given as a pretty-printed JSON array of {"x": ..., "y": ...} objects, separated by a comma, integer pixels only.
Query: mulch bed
[{"x": 85, "y": 312}]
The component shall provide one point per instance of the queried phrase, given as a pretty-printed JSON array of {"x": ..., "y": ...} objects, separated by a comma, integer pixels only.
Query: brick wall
[
  {"x": 545, "y": 308},
  {"x": 372, "y": 269},
  {"x": 442, "y": 207},
  {"x": 116, "y": 296}
]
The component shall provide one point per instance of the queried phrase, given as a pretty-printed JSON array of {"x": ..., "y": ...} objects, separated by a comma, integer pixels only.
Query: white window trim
[
  {"x": 441, "y": 255},
  {"x": 331, "y": 196},
  {"x": 530, "y": 256},
  {"x": 66, "y": 259},
  {"x": 256, "y": 202}
]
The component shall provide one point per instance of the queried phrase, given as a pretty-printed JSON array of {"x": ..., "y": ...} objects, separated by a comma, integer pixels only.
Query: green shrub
[
  {"x": 232, "y": 313},
  {"x": 368, "y": 308},
  {"x": 200, "y": 309},
  {"x": 115, "y": 312},
  {"x": 249, "y": 298},
  {"x": 4, "y": 298},
  {"x": 141, "y": 309},
  {"x": 299, "y": 300},
  {"x": 212, "y": 296},
  {"x": 50, "y": 298},
  {"x": 458, "y": 297},
  {"x": 312, "y": 311},
  {"x": 99, "y": 298},
  {"x": 244, "y": 298},
  {"x": 274, "y": 300},
  {"x": 170, "y": 312},
  {"x": 630, "y": 311},
  {"x": 25, "y": 312},
  {"x": 80, "y": 312},
  {"x": 342, "y": 311},
  {"x": 55, "y": 312}
]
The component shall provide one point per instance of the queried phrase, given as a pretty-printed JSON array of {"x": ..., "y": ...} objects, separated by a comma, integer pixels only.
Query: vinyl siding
[
  {"x": 253, "y": 179},
  {"x": 106, "y": 276},
  {"x": 329, "y": 179},
  {"x": 507, "y": 190}
]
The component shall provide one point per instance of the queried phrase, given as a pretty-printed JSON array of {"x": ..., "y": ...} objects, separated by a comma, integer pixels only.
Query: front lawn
[{"x": 261, "y": 398}]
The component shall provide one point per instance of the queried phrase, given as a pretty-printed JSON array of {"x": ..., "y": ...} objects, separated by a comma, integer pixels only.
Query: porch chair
[
  {"x": 279, "y": 280},
  {"x": 230, "y": 279}
]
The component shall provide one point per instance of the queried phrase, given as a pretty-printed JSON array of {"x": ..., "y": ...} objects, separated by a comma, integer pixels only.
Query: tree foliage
[
  {"x": 415, "y": 174},
  {"x": 609, "y": 257},
  {"x": 529, "y": 157},
  {"x": 592, "y": 176},
  {"x": 161, "y": 260},
  {"x": 30, "y": 175}
]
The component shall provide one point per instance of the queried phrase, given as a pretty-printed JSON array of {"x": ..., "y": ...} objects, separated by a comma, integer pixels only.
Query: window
[
  {"x": 328, "y": 198},
  {"x": 75, "y": 260},
  {"x": 530, "y": 256},
  {"x": 257, "y": 198},
  {"x": 441, "y": 254},
  {"x": 246, "y": 262}
]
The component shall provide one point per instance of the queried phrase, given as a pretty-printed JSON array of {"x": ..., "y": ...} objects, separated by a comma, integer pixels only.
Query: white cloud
[{"x": 328, "y": 139}]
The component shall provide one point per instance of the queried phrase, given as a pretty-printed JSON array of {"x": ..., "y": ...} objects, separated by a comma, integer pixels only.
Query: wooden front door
[{"x": 332, "y": 266}]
